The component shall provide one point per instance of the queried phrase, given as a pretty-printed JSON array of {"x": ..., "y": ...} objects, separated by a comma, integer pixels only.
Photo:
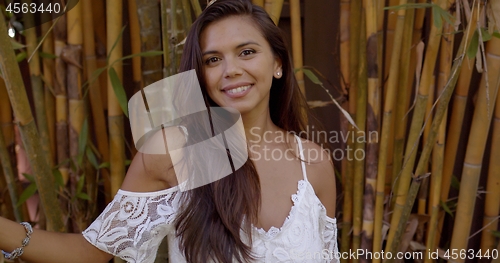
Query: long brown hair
[{"x": 215, "y": 220}]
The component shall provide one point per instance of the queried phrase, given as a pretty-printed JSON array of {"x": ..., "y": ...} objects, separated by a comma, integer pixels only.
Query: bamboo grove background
[{"x": 424, "y": 75}]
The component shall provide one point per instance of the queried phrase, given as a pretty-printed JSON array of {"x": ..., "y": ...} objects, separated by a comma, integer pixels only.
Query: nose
[{"x": 232, "y": 68}]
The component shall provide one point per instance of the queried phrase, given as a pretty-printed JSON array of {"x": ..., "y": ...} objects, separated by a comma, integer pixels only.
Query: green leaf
[
  {"x": 16, "y": 45},
  {"x": 82, "y": 143},
  {"x": 116, "y": 43},
  {"x": 29, "y": 177},
  {"x": 496, "y": 34},
  {"x": 80, "y": 183},
  {"x": 436, "y": 16},
  {"x": 495, "y": 233},
  {"x": 128, "y": 162},
  {"x": 485, "y": 34},
  {"x": 83, "y": 196},
  {"x": 312, "y": 76},
  {"x": 446, "y": 15},
  {"x": 27, "y": 193},
  {"x": 46, "y": 55},
  {"x": 91, "y": 157},
  {"x": 58, "y": 177},
  {"x": 474, "y": 45},
  {"x": 103, "y": 165},
  {"x": 21, "y": 56},
  {"x": 446, "y": 208},
  {"x": 141, "y": 54},
  {"x": 119, "y": 91}
]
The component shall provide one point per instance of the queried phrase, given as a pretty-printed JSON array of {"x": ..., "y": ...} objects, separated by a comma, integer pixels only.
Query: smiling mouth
[{"x": 238, "y": 89}]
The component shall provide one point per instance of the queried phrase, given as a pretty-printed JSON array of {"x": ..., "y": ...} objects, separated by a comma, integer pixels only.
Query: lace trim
[{"x": 296, "y": 198}]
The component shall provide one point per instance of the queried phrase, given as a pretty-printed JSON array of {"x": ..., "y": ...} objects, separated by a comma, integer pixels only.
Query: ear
[{"x": 278, "y": 70}]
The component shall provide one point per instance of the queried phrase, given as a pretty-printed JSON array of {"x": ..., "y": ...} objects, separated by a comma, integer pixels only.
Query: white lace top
[{"x": 133, "y": 225}]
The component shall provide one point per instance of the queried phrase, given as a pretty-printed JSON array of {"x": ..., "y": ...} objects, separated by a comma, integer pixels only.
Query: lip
[{"x": 234, "y": 86}]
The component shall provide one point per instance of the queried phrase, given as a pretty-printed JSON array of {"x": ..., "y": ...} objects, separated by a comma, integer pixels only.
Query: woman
[{"x": 270, "y": 210}]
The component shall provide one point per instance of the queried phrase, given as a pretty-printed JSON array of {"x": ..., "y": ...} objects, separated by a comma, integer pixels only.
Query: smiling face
[{"x": 239, "y": 65}]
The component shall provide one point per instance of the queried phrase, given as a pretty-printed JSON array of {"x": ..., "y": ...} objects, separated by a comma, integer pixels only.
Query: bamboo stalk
[
  {"x": 360, "y": 144},
  {"x": 115, "y": 113},
  {"x": 273, "y": 8},
  {"x": 492, "y": 196},
  {"x": 445, "y": 65},
  {"x": 346, "y": 162},
  {"x": 61, "y": 99},
  {"x": 372, "y": 123},
  {"x": 48, "y": 72},
  {"x": 406, "y": 80},
  {"x": 149, "y": 21},
  {"x": 99, "y": 17},
  {"x": 295, "y": 20},
  {"x": 441, "y": 109},
  {"x": 197, "y": 8},
  {"x": 95, "y": 96},
  {"x": 76, "y": 104},
  {"x": 31, "y": 139},
  {"x": 386, "y": 128},
  {"x": 37, "y": 84},
  {"x": 354, "y": 58},
  {"x": 476, "y": 146},
  {"x": 400, "y": 122},
  {"x": 392, "y": 18},
  {"x": 258, "y": 2},
  {"x": 418, "y": 117}
]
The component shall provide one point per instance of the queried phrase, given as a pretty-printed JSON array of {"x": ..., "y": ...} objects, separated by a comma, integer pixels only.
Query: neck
[{"x": 256, "y": 125}]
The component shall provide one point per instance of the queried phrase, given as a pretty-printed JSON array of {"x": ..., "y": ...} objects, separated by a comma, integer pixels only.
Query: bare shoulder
[
  {"x": 151, "y": 168},
  {"x": 321, "y": 174}
]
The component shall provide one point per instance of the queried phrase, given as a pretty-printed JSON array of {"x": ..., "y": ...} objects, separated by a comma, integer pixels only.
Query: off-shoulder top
[{"x": 134, "y": 224}]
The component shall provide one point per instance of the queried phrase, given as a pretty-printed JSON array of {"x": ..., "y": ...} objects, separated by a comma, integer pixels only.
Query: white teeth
[{"x": 239, "y": 89}]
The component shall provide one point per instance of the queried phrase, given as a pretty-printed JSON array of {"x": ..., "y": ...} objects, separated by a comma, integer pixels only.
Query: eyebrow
[{"x": 238, "y": 46}]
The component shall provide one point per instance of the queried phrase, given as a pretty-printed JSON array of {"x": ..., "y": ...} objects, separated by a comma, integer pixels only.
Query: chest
[{"x": 279, "y": 182}]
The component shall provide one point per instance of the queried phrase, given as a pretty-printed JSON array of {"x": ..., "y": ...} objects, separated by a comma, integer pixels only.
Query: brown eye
[
  {"x": 247, "y": 52},
  {"x": 211, "y": 60}
]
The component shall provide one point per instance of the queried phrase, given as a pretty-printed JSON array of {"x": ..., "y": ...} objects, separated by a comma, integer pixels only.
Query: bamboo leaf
[
  {"x": 79, "y": 185},
  {"x": 312, "y": 76},
  {"x": 436, "y": 16},
  {"x": 21, "y": 56},
  {"x": 495, "y": 233},
  {"x": 446, "y": 208},
  {"x": 29, "y": 177},
  {"x": 115, "y": 43},
  {"x": 474, "y": 45},
  {"x": 91, "y": 157},
  {"x": 82, "y": 139},
  {"x": 58, "y": 177},
  {"x": 119, "y": 91},
  {"x": 27, "y": 193},
  {"x": 103, "y": 165},
  {"x": 46, "y": 55},
  {"x": 83, "y": 196},
  {"x": 485, "y": 34},
  {"x": 16, "y": 45},
  {"x": 316, "y": 80}
]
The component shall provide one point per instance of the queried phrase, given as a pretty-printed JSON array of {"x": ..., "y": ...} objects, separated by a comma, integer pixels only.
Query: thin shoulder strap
[{"x": 301, "y": 154}]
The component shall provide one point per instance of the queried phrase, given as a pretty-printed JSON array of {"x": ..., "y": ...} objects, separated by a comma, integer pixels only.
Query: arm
[
  {"x": 48, "y": 246},
  {"x": 147, "y": 173}
]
